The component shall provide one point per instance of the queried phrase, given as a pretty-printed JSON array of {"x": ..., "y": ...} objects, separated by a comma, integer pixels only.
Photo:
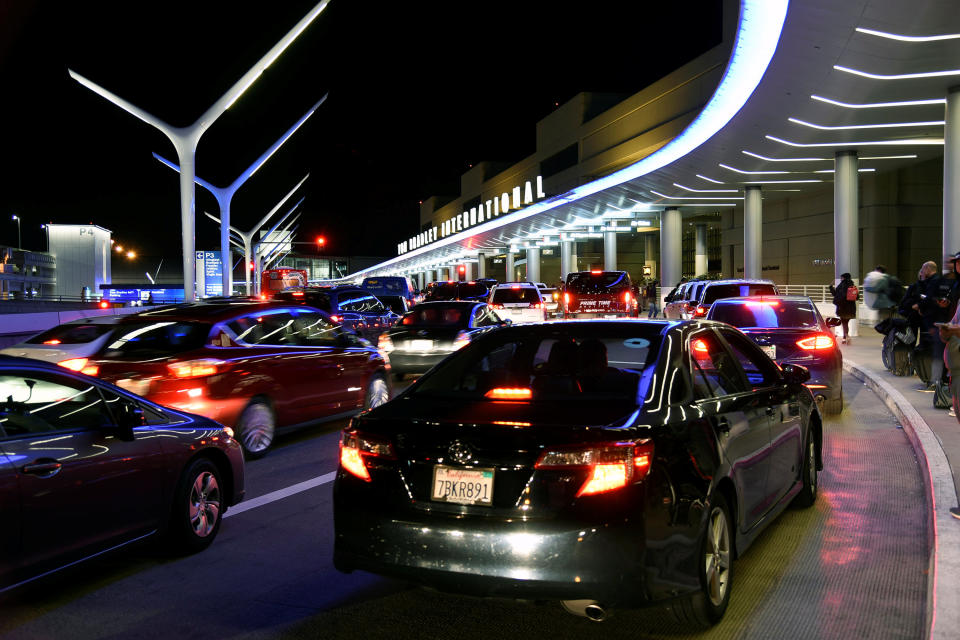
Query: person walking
[
  {"x": 876, "y": 292},
  {"x": 845, "y": 299},
  {"x": 653, "y": 310}
]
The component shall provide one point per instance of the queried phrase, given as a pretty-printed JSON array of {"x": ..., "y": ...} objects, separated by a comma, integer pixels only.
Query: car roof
[
  {"x": 765, "y": 298},
  {"x": 210, "y": 312},
  {"x": 108, "y": 319},
  {"x": 528, "y": 285},
  {"x": 740, "y": 281},
  {"x": 448, "y": 303}
]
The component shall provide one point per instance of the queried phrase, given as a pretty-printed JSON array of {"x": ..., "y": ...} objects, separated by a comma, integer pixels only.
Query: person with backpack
[
  {"x": 845, "y": 298},
  {"x": 879, "y": 289}
]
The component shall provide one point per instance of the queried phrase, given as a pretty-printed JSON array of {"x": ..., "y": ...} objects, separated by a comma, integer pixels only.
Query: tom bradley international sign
[{"x": 519, "y": 197}]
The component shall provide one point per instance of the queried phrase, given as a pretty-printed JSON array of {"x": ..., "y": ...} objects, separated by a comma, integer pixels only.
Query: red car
[
  {"x": 599, "y": 294},
  {"x": 259, "y": 367}
]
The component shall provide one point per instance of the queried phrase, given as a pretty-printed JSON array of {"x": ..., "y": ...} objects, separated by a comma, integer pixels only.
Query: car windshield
[
  {"x": 472, "y": 290},
  {"x": 72, "y": 334},
  {"x": 766, "y": 314},
  {"x": 318, "y": 299},
  {"x": 597, "y": 283},
  {"x": 557, "y": 364},
  {"x": 509, "y": 295},
  {"x": 438, "y": 315},
  {"x": 157, "y": 339},
  {"x": 394, "y": 303},
  {"x": 442, "y": 291},
  {"x": 718, "y": 291}
]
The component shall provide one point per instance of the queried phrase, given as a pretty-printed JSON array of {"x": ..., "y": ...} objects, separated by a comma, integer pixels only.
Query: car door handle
[
  {"x": 46, "y": 468},
  {"x": 723, "y": 425}
]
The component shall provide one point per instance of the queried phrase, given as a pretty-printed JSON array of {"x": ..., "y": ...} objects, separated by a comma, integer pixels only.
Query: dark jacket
[
  {"x": 910, "y": 298},
  {"x": 939, "y": 299},
  {"x": 845, "y": 308}
]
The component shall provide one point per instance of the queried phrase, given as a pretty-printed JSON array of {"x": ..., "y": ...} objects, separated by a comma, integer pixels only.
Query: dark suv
[
  {"x": 719, "y": 289},
  {"x": 453, "y": 290},
  {"x": 352, "y": 307},
  {"x": 599, "y": 294}
]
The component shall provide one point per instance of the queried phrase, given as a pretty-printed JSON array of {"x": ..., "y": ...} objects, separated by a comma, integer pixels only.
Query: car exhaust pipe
[{"x": 590, "y": 609}]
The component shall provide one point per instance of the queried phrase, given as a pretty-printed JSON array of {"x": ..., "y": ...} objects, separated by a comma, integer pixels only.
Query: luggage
[
  {"x": 902, "y": 358},
  {"x": 941, "y": 392},
  {"x": 921, "y": 361}
]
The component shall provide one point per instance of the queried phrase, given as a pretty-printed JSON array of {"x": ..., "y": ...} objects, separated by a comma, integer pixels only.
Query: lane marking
[{"x": 280, "y": 494}]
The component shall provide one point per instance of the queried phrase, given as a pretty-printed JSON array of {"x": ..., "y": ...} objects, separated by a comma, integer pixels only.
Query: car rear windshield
[
  {"x": 597, "y": 283},
  {"x": 556, "y": 364},
  {"x": 438, "y": 315},
  {"x": 156, "y": 339},
  {"x": 718, "y": 291},
  {"x": 317, "y": 299},
  {"x": 444, "y": 291},
  {"x": 394, "y": 303},
  {"x": 767, "y": 314},
  {"x": 72, "y": 334},
  {"x": 508, "y": 295},
  {"x": 472, "y": 290}
]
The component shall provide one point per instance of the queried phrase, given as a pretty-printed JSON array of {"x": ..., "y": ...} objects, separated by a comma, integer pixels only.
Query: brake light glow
[
  {"x": 298, "y": 294},
  {"x": 54, "y": 341},
  {"x": 195, "y": 368},
  {"x": 536, "y": 305},
  {"x": 335, "y": 319},
  {"x": 509, "y": 393},
  {"x": 610, "y": 467},
  {"x": 700, "y": 346},
  {"x": 80, "y": 365},
  {"x": 626, "y": 297},
  {"x": 817, "y": 342},
  {"x": 515, "y": 286},
  {"x": 596, "y": 273},
  {"x": 768, "y": 303},
  {"x": 566, "y": 298},
  {"x": 462, "y": 340},
  {"x": 699, "y": 312},
  {"x": 384, "y": 343},
  {"x": 104, "y": 304},
  {"x": 355, "y": 448}
]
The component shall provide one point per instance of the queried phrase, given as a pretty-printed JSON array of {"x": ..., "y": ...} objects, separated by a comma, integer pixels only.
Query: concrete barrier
[{"x": 17, "y": 327}]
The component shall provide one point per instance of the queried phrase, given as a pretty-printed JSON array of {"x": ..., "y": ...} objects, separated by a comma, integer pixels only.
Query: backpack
[{"x": 852, "y": 293}]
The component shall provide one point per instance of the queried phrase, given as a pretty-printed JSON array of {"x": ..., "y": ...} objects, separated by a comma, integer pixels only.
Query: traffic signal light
[
  {"x": 321, "y": 241},
  {"x": 462, "y": 271}
]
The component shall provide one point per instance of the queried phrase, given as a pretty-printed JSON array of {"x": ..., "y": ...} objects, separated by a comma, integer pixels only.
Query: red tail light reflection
[
  {"x": 817, "y": 342},
  {"x": 509, "y": 393},
  {"x": 610, "y": 467}
]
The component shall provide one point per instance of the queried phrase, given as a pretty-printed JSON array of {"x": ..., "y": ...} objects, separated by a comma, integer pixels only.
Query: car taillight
[
  {"x": 817, "y": 342},
  {"x": 196, "y": 368},
  {"x": 54, "y": 341},
  {"x": 385, "y": 343},
  {"x": 509, "y": 393},
  {"x": 355, "y": 448},
  {"x": 699, "y": 312},
  {"x": 461, "y": 340},
  {"x": 609, "y": 467},
  {"x": 626, "y": 297},
  {"x": 335, "y": 319},
  {"x": 536, "y": 305},
  {"x": 80, "y": 365}
]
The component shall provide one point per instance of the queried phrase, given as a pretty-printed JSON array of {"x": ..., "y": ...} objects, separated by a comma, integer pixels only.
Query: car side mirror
[
  {"x": 795, "y": 373},
  {"x": 128, "y": 419},
  {"x": 833, "y": 322}
]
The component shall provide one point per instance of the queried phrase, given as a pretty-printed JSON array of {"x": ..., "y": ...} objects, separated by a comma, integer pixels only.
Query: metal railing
[{"x": 816, "y": 292}]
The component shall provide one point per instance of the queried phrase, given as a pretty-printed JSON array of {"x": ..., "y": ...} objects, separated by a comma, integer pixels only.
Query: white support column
[
  {"x": 533, "y": 264},
  {"x": 671, "y": 245},
  {"x": 566, "y": 256},
  {"x": 468, "y": 271},
  {"x": 508, "y": 267},
  {"x": 574, "y": 259},
  {"x": 752, "y": 232},
  {"x": 649, "y": 243},
  {"x": 700, "y": 251},
  {"x": 610, "y": 249},
  {"x": 846, "y": 223},
  {"x": 481, "y": 266},
  {"x": 951, "y": 174}
]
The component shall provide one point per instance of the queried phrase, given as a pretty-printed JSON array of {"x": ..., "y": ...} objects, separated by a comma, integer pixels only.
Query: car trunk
[
  {"x": 424, "y": 338},
  {"x": 784, "y": 342}
]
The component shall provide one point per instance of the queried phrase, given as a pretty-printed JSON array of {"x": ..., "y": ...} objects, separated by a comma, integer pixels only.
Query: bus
[{"x": 275, "y": 280}]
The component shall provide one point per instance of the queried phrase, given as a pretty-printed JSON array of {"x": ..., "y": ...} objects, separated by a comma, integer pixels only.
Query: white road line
[{"x": 280, "y": 494}]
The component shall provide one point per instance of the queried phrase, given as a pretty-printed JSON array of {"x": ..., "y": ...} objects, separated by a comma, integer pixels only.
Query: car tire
[
  {"x": 706, "y": 607},
  {"x": 377, "y": 392},
  {"x": 256, "y": 429},
  {"x": 808, "y": 493},
  {"x": 833, "y": 406},
  {"x": 198, "y": 505}
]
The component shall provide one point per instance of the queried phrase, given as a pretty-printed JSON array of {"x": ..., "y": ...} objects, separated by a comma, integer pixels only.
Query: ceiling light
[
  {"x": 912, "y": 141},
  {"x": 641, "y": 223},
  {"x": 885, "y": 125},
  {"x": 757, "y": 155},
  {"x": 878, "y": 105},
  {"x": 709, "y": 179},
  {"x": 896, "y": 36},
  {"x": 705, "y": 190},
  {"x": 750, "y": 172},
  {"x": 832, "y": 170},
  {"x": 912, "y": 155},
  {"x": 694, "y": 197},
  {"x": 779, "y": 181},
  {"x": 898, "y": 76}
]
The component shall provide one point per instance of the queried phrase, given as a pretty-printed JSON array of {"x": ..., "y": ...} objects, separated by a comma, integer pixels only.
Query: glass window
[
  {"x": 313, "y": 330},
  {"x": 360, "y": 303},
  {"x": 713, "y": 370},
  {"x": 509, "y": 295},
  {"x": 438, "y": 315},
  {"x": 119, "y": 404},
  {"x": 80, "y": 333},
  {"x": 488, "y": 318},
  {"x": 767, "y": 314},
  {"x": 396, "y": 304},
  {"x": 737, "y": 290},
  {"x": 44, "y": 403},
  {"x": 151, "y": 339},
  {"x": 760, "y": 370},
  {"x": 596, "y": 283},
  {"x": 265, "y": 328}
]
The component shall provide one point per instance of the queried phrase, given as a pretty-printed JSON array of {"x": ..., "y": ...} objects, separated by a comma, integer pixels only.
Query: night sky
[{"x": 418, "y": 91}]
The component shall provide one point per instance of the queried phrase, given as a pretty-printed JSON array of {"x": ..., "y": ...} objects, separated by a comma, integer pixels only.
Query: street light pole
[
  {"x": 17, "y": 218},
  {"x": 185, "y": 139}
]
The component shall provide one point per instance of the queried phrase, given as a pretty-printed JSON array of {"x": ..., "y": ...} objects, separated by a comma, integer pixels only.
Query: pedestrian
[
  {"x": 878, "y": 286},
  {"x": 937, "y": 305},
  {"x": 950, "y": 335},
  {"x": 910, "y": 303},
  {"x": 653, "y": 310},
  {"x": 845, "y": 299}
]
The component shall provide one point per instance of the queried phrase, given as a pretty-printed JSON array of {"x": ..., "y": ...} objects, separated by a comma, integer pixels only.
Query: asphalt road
[{"x": 854, "y": 565}]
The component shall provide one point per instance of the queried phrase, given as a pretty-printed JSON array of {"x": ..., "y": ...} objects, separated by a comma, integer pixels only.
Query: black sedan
[
  {"x": 790, "y": 329},
  {"x": 86, "y": 467},
  {"x": 431, "y": 331},
  {"x": 599, "y": 463}
]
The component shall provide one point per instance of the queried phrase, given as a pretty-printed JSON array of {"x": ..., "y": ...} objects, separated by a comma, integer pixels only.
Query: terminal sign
[
  {"x": 519, "y": 197},
  {"x": 209, "y": 273}
]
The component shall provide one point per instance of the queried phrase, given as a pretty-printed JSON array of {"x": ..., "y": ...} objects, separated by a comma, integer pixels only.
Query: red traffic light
[
  {"x": 321, "y": 241},
  {"x": 462, "y": 269}
]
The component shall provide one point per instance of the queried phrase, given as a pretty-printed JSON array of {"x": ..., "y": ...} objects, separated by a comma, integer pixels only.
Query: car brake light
[
  {"x": 384, "y": 343},
  {"x": 610, "y": 467},
  {"x": 263, "y": 296},
  {"x": 536, "y": 305},
  {"x": 626, "y": 297},
  {"x": 514, "y": 286},
  {"x": 54, "y": 341},
  {"x": 817, "y": 342},
  {"x": 509, "y": 393},
  {"x": 335, "y": 319},
  {"x": 461, "y": 340},
  {"x": 356, "y": 447},
  {"x": 596, "y": 273},
  {"x": 80, "y": 365},
  {"x": 699, "y": 312},
  {"x": 700, "y": 346},
  {"x": 104, "y": 304},
  {"x": 196, "y": 368},
  {"x": 298, "y": 294}
]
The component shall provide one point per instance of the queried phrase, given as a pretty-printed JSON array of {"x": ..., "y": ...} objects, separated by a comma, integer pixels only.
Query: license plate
[
  {"x": 609, "y": 315},
  {"x": 463, "y": 486},
  {"x": 771, "y": 351},
  {"x": 134, "y": 385},
  {"x": 421, "y": 345}
]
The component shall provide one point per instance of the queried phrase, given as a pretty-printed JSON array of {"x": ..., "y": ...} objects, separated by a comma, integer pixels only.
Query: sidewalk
[{"x": 935, "y": 437}]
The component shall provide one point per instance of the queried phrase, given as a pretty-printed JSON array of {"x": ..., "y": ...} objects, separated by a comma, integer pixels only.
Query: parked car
[
  {"x": 790, "y": 329},
  {"x": 260, "y": 368},
  {"x": 350, "y": 306},
  {"x": 599, "y": 294},
  {"x": 602, "y": 464},
  {"x": 67, "y": 342},
  {"x": 717, "y": 289},
  {"x": 86, "y": 467},
  {"x": 454, "y": 290},
  {"x": 551, "y": 298},
  {"x": 681, "y": 305},
  {"x": 518, "y": 302},
  {"x": 433, "y": 330}
]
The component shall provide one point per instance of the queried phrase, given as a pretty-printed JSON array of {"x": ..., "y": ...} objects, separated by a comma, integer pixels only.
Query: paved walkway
[{"x": 935, "y": 436}]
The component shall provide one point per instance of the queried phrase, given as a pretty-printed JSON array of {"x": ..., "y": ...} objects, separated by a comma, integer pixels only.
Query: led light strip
[
  {"x": 676, "y": 184},
  {"x": 709, "y": 179},
  {"x": 885, "y": 125},
  {"x": 898, "y": 76},
  {"x": 695, "y": 197},
  {"x": 729, "y": 168},
  {"x": 912, "y": 155},
  {"x": 879, "y": 105},
  {"x": 833, "y": 170},
  {"x": 757, "y": 155},
  {"x": 779, "y": 181},
  {"x": 897, "y": 36},
  {"x": 913, "y": 141}
]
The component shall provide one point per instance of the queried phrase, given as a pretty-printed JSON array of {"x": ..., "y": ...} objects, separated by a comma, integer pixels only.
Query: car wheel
[
  {"x": 377, "y": 392},
  {"x": 256, "y": 429},
  {"x": 197, "y": 507},
  {"x": 808, "y": 494},
  {"x": 833, "y": 406},
  {"x": 707, "y": 606}
]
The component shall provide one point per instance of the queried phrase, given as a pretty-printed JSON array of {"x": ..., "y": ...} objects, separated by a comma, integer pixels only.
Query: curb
[{"x": 943, "y": 582}]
